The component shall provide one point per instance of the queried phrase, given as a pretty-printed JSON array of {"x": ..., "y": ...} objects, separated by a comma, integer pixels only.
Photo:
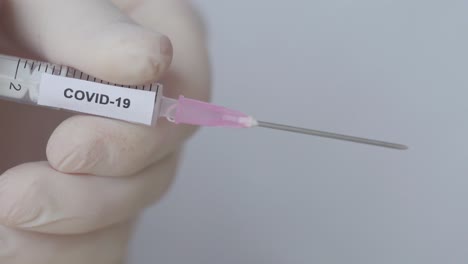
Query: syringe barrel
[{"x": 20, "y": 80}]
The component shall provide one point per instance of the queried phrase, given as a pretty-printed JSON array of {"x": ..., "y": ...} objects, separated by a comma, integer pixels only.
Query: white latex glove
[{"x": 72, "y": 187}]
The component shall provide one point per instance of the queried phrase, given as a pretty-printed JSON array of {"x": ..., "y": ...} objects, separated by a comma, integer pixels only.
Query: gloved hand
[{"x": 73, "y": 187}]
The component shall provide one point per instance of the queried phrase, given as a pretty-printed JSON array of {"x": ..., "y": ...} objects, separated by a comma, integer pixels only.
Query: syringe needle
[
  {"x": 194, "y": 112},
  {"x": 331, "y": 135}
]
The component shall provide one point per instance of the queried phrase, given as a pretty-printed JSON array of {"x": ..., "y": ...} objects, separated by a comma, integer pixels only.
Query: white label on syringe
[{"x": 97, "y": 99}]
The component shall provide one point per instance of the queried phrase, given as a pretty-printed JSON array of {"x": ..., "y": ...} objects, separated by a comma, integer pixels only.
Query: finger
[
  {"x": 7, "y": 46},
  {"x": 35, "y": 197},
  {"x": 91, "y": 35},
  {"x": 108, "y": 245},
  {"x": 22, "y": 139},
  {"x": 190, "y": 69},
  {"x": 104, "y": 147},
  {"x": 109, "y": 148}
]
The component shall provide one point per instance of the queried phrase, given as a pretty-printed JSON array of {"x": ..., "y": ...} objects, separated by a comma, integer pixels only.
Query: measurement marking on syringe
[
  {"x": 25, "y": 63},
  {"x": 39, "y": 69},
  {"x": 47, "y": 67},
  {"x": 17, "y": 66}
]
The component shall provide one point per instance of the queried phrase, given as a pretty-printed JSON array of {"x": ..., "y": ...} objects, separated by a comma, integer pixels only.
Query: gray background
[{"x": 392, "y": 70}]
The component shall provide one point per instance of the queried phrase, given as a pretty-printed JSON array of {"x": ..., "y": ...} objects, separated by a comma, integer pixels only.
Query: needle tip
[{"x": 403, "y": 147}]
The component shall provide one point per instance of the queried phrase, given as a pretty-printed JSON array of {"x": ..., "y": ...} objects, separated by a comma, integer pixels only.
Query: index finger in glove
[{"x": 93, "y": 36}]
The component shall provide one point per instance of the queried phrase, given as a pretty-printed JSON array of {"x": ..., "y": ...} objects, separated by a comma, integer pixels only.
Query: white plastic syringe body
[{"x": 20, "y": 81}]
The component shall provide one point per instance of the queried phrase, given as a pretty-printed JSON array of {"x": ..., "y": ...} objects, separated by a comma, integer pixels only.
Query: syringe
[{"x": 64, "y": 88}]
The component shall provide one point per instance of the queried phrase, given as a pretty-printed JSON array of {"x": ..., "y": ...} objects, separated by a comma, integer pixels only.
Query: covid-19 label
[{"x": 97, "y": 99}]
